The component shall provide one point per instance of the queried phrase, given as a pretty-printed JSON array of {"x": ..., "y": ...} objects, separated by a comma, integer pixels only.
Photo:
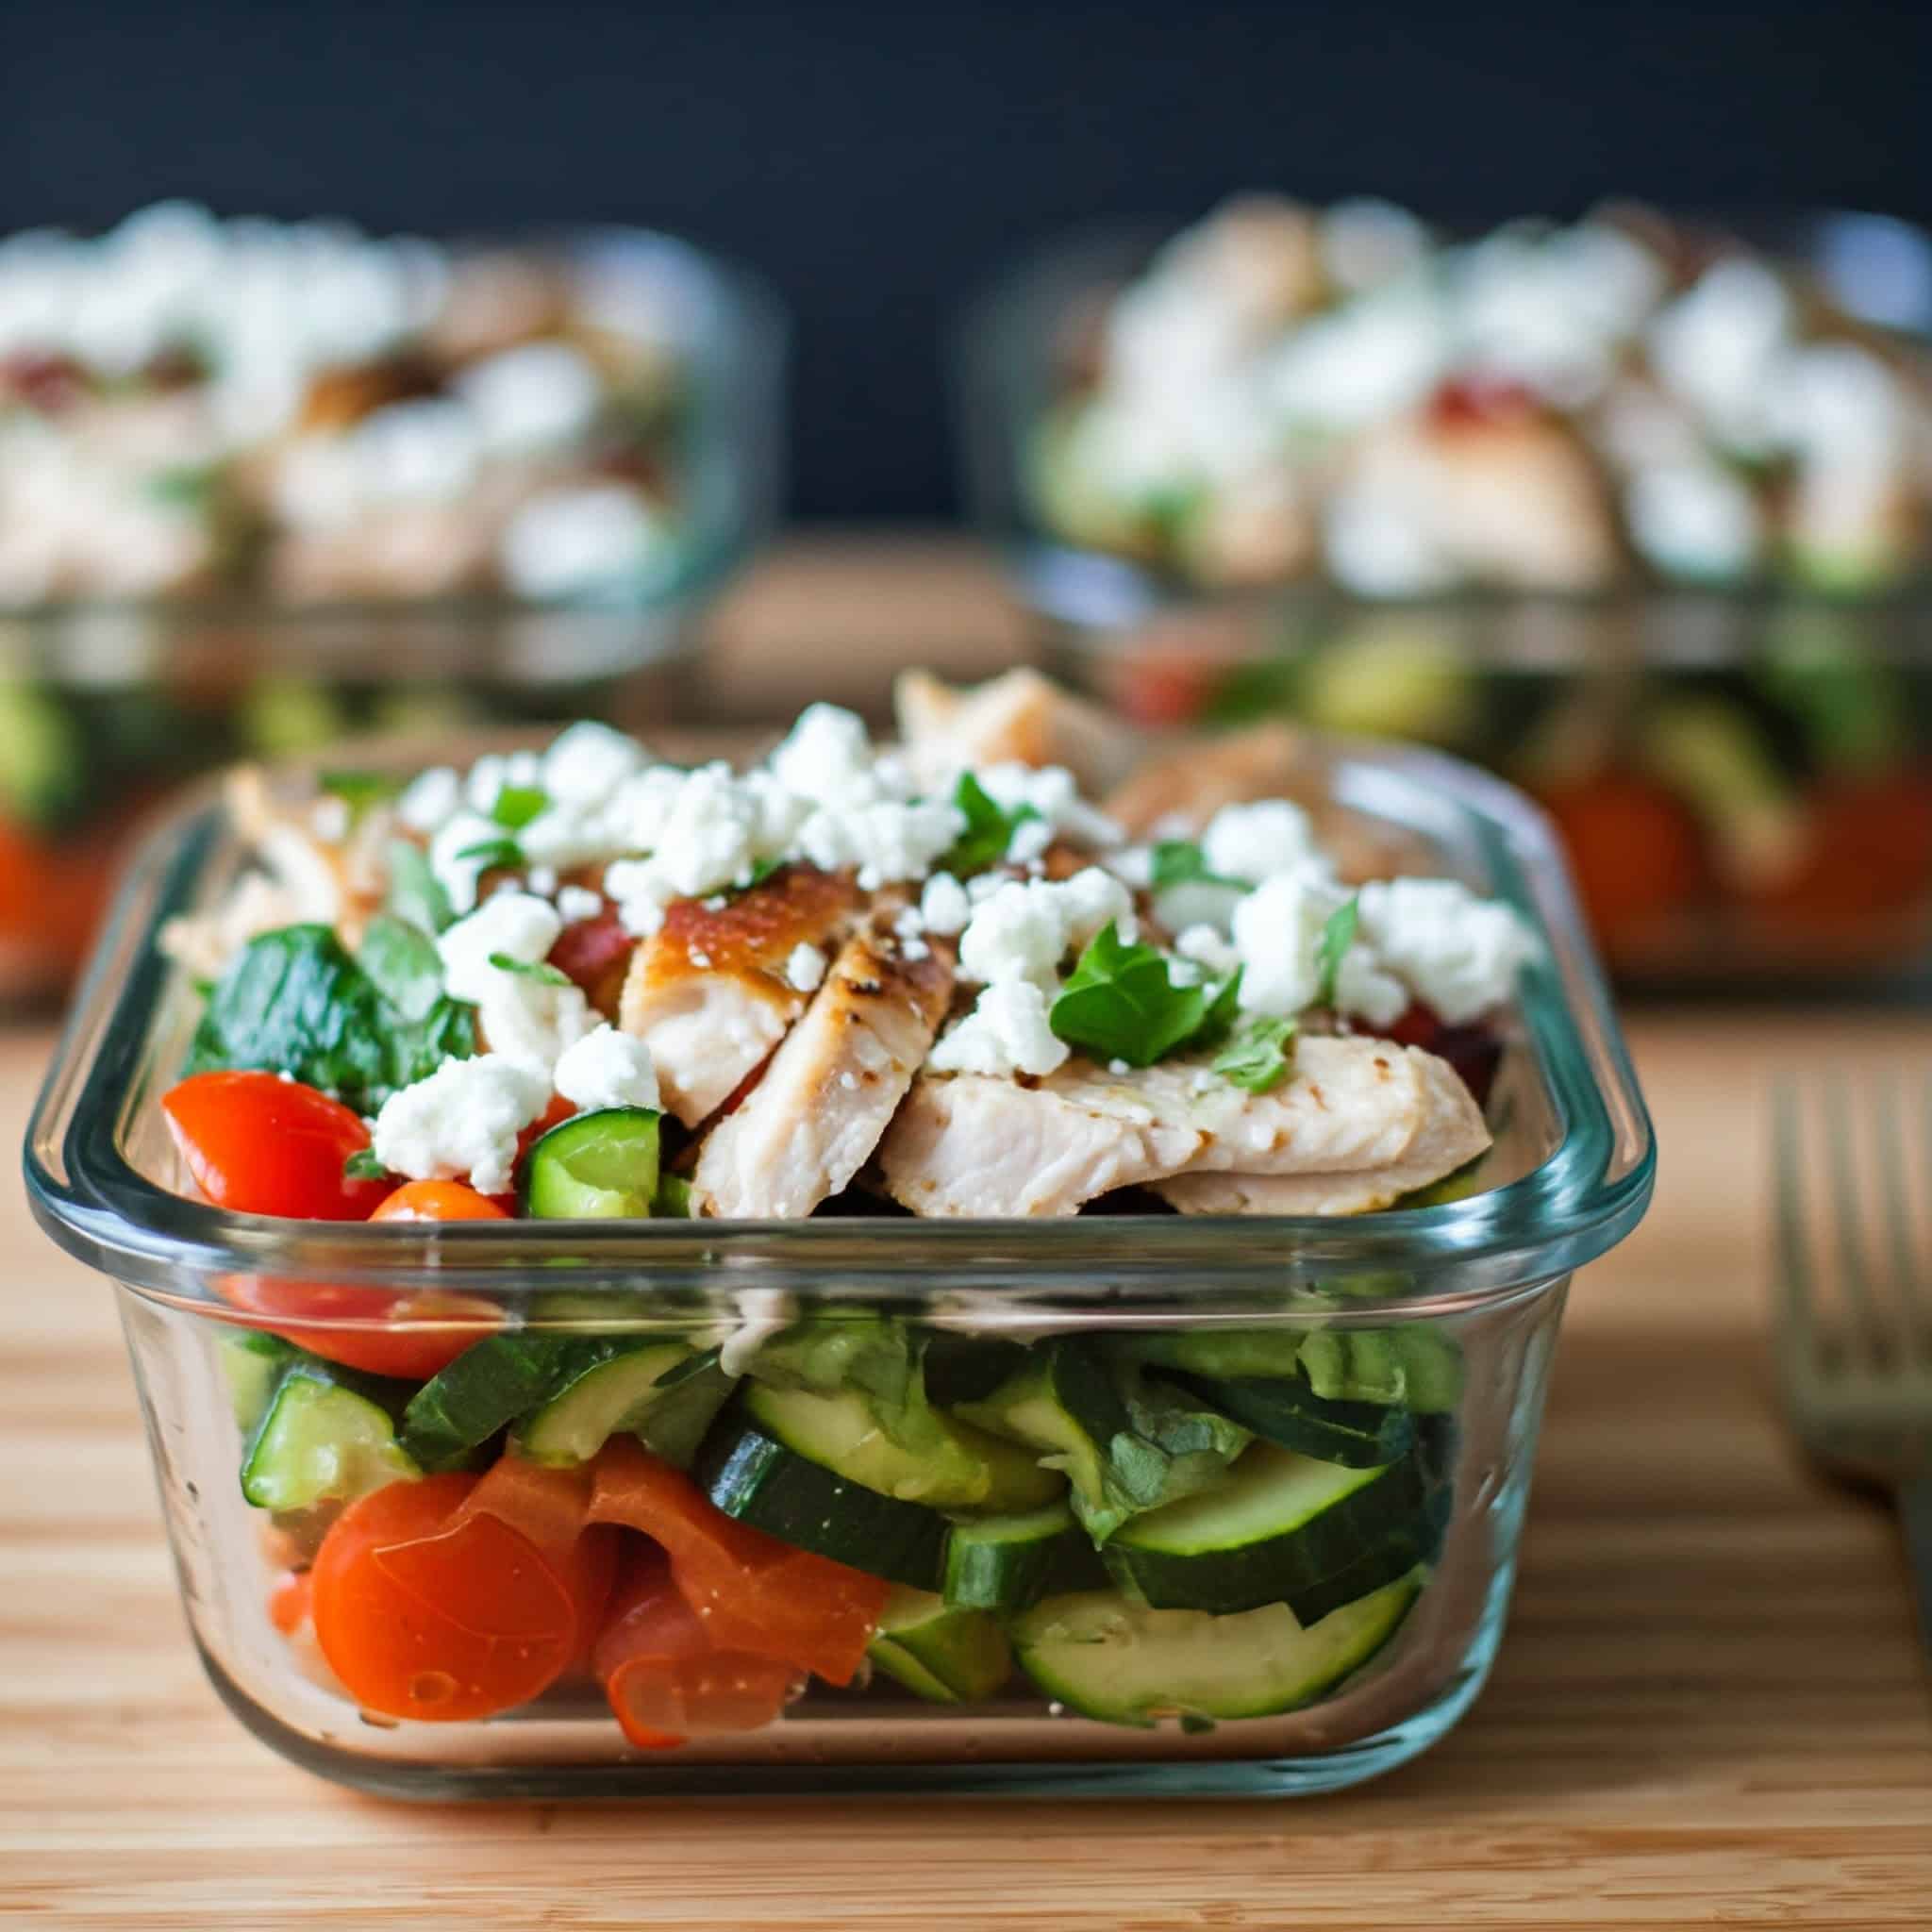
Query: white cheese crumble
[
  {"x": 1027, "y": 926},
  {"x": 539, "y": 396},
  {"x": 587, "y": 762},
  {"x": 827, "y": 757},
  {"x": 607, "y": 1068},
  {"x": 1458, "y": 953},
  {"x": 430, "y": 799},
  {"x": 578, "y": 902},
  {"x": 533, "y": 1020},
  {"x": 887, "y": 843},
  {"x": 456, "y": 875},
  {"x": 943, "y": 907},
  {"x": 804, "y": 970},
  {"x": 1277, "y": 929},
  {"x": 1051, "y": 791},
  {"x": 575, "y": 542},
  {"x": 1006, "y": 1032},
  {"x": 518, "y": 925},
  {"x": 462, "y": 1121},
  {"x": 1253, "y": 842}
]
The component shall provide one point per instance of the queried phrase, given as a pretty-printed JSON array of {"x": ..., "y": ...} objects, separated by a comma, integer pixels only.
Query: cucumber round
[
  {"x": 324, "y": 1438},
  {"x": 1276, "y": 1522},
  {"x": 1285, "y": 1411},
  {"x": 605, "y": 1398},
  {"x": 596, "y": 1166},
  {"x": 1108, "y": 1657},
  {"x": 1419, "y": 1541},
  {"x": 1007, "y": 1562},
  {"x": 938, "y": 1651}
]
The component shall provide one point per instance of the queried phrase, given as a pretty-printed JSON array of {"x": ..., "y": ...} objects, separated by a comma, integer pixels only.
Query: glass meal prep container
[
  {"x": 491, "y": 483},
  {"x": 1323, "y": 1613},
  {"x": 1741, "y": 765}
]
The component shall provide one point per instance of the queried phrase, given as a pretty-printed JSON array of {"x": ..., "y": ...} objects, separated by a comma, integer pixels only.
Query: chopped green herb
[
  {"x": 359, "y": 791},
  {"x": 295, "y": 1001},
  {"x": 1259, "y": 1056},
  {"x": 182, "y": 486},
  {"x": 403, "y": 962},
  {"x": 990, "y": 828},
  {"x": 1120, "y": 1004},
  {"x": 492, "y": 854},
  {"x": 1337, "y": 935},
  {"x": 362, "y": 1165},
  {"x": 415, "y": 893},
  {"x": 1181, "y": 862},
  {"x": 517, "y": 805},
  {"x": 531, "y": 969}
]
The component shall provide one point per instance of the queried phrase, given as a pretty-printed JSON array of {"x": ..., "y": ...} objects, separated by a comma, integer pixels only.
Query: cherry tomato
[
  {"x": 438, "y": 1201},
  {"x": 426, "y": 1611},
  {"x": 595, "y": 953},
  {"x": 1636, "y": 851},
  {"x": 260, "y": 1144}
]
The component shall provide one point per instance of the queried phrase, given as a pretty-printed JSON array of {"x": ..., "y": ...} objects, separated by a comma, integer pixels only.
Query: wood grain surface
[{"x": 1709, "y": 1707}]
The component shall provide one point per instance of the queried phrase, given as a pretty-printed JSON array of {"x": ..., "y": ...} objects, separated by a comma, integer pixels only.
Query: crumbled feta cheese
[
  {"x": 699, "y": 959},
  {"x": 887, "y": 843},
  {"x": 1695, "y": 519},
  {"x": 1119, "y": 1069},
  {"x": 914, "y": 950},
  {"x": 640, "y": 895},
  {"x": 1254, "y": 842},
  {"x": 463, "y": 1120},
  {"x": 1457, "y": 952},
  {"x": 541, "y": 879},
  {"x": 430, "y": 799},
  {"x": 827, "y": 757},
  {"x": 1277, "y": 929},
  {"x": 1205, "y": 946},
  {"x": 518, "y": 925},
  {"x": 331, "y": 820},
  {"x": 943, "y": 907},
  {"x": 710, "y": 836},
  {"x": 587, "y": 762},
  {"x": 1025, "y": 927},
  {"x": 907, "y": 923},
  {"x": 1364, "y": 992},
  {"x": 575, "y": 542},
  {"x": 1197, "y": 903},
  {"x": 804, "y": 970},
  {"x": 1133, "y": 865},
  {"x": 456, "y": 875},
  {"x": 607, "y": 1068},
  {"x": 538, "y": 396},
  {"x": 578, "y": 902},
  {"x": 1006, "y": 1032},
  {"x": 1051, "y": 791},
  {"x": 532, "y": 1020},
  {"x": 493, "y": 770}
]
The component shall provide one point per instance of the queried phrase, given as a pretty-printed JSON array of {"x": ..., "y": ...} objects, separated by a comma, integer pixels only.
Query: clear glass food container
[
  {"x": 1431, "y": 1327},
  {"x": 1743, "y": 778},
  {"x": 105, "y": 708}
]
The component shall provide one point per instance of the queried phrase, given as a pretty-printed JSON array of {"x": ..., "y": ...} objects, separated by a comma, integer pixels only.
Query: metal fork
[{"x": 1853, "y": 1337}]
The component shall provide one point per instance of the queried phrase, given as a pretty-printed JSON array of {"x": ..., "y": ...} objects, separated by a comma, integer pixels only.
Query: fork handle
[{"x": 1915, "y": 1516}]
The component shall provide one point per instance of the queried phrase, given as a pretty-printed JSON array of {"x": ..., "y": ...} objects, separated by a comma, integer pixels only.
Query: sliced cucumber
[
  {"x": 954, "y": 1466},
  {"x": 1216, "y": 1351},
  {"x": 1108, "y": 1657},
  {"x": 968, "y": 1368},
  {"x": 605, "y": 1398},
  {"x": 489, "y": 1385},
  {"x": 252, "y": 1361},
  {"x": 597, "y": 1166},
  {"x": 1062, "y": 1401},
  {"x": 1285, "y": 1410},
  {"x": 327, "y": 1436},
  {"x": 1008, "y": 1562},
  {"x": 1416, "y": 1542},
  {"x": 753, "y": 1475},
  {"x": 1418, "y": 1367},
  {"x": 1277, "y": 1522},
  {"x": 940, "y": 1651},
  {"x": 687, "y": 1403}
]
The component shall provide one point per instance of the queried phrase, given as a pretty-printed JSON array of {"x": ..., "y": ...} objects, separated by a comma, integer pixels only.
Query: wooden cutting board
[{"x": 1709, "y": 1706}]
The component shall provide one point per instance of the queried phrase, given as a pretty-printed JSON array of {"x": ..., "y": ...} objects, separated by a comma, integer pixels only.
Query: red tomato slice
[
  {"x": 751, "y": 1592},
  {"x": 425, "y": 1611},
  {"x": 260, "y": 1144},
  {"x": 438, "y": 1201},
  {"x": 665, "y": 1678}
]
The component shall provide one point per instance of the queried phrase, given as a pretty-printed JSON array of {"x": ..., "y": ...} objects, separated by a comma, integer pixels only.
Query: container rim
[{"x": 1587, "y": 1194}]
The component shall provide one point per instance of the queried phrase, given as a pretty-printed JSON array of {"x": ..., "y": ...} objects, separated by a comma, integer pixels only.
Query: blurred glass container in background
[
  {"x": 1632, "y": 511},
  {"x": 263, "y": 486}
]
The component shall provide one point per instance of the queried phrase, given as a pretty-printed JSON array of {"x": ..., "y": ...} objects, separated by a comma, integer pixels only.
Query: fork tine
[
  {"x": 1910, "y": 1297},
  {"x": 1868, "y": 1332},
  {"x": 1795, "y": 1333}
]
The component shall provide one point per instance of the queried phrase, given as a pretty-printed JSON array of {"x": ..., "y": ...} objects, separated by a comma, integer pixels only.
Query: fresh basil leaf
[
  {"x": 403, "y": 963},
  {"x": 490, "y": 854},
  {"x": 1181, "y": 862},
  {"x": 1223, "y": 1009},
  {"x": 1259, "y": 1056},
  {"x": 362, "y": 1165},
  {"x": 415, "y": 893},
  {"x": 1120, "y": 1004},
  {"x": 295, "y": 1001},
  {"x": 1337, "y": 935},
  {"x": 359, "y": 791},
  {"x": 517, "y": 805},
  {"x": 990, "y": 828},
  {"x": 531, "y": 969}
]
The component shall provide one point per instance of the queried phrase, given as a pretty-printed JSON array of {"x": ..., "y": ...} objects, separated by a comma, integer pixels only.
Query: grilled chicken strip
[
  {"x": 1016, "y": 719},
  {"x": 816, "y": 1114},
  {"x": 1195, "y": 781},
  {"x": 708, "y": 990},
  {"x": 1451, "y": 1135},
  {"x": 971, "y": 1144}
]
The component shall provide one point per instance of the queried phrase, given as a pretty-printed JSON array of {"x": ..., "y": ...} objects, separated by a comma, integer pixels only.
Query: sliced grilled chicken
[
  {"x": 972, "y": 1144},
  {"x": 1194, "y": 782},
  {"x": 831, "y": 1090},
  {"x": 1016, "y": 719},
  {"x": 1452, "y": 1134},
  {"x": 708, "y": 992}
]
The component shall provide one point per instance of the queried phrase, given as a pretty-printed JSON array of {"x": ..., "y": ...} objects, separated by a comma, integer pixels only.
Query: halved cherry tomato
[
  {"x": 751, "y": 1592},
  {"x": 375, "y": 1338},
  {"x": 1637, "y": 852},
  {"x": 665, "y": 1678},
  {"x": 260, "y": 1144},
  {"x": 426, "y": 1611},
  {"x": 595, "y": 953}
]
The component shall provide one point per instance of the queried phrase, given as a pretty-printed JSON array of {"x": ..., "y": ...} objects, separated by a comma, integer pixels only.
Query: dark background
[{"x": 878, "y": 162}]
